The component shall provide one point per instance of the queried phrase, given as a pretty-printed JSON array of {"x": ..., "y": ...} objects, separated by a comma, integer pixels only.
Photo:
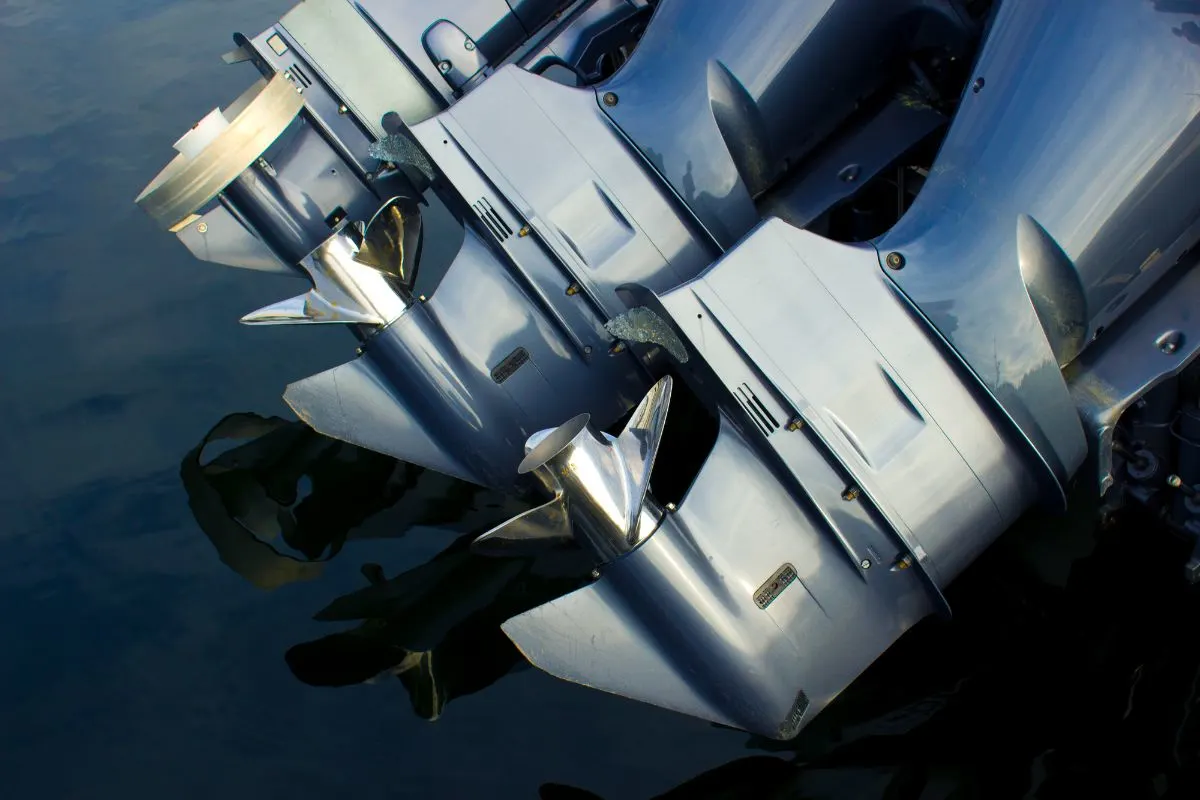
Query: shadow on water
[
  {"x": 280, "y": 500},
  {"x": 1071, "y": 669}
]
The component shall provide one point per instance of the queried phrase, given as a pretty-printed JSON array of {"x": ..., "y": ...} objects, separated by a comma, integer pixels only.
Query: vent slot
[
  {"x": 491, "y": 219},
  {"x": 300, "y": 76},
  {"x": 758, "y": 412}
]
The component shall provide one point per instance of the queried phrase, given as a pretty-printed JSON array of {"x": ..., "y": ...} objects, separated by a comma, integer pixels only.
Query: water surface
[{"x": 154, "y": 647}]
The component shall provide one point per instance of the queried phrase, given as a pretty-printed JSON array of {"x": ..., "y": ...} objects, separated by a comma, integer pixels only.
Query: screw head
[
  {"x": 894, "y": 260},
  {"x": 851, "y": 493},
  {"x": 202, "y": 227},
  {"x": 523, "y": 232},
  {"x": 444, "y": 66},
  {"x": 468, "y": 45},
  {"x": 573, "y": 290},
  {"x": 610, "y": 99},
  {"x": 865, "y": 563},
  {"x": 795, "y": 424},
  {"x": 343, "y": 110}
]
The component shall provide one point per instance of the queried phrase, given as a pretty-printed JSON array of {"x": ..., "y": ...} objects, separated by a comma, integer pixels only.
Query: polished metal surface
[
  {"x": 721, "y": 96},
  {"x": 1126, "y": 362},
  {"x": 599, "y": 483},
  {"x": 255, "y": 121},
  {"x": 1085, "y": 119},
  {"x": 392, "y": 241},
  {"x": 344, "y": 289},
  {"x": 676, "y": 624}
]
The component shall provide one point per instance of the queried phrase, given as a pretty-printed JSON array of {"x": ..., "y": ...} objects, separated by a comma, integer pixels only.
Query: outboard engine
[{"x": 906, "y": 263}]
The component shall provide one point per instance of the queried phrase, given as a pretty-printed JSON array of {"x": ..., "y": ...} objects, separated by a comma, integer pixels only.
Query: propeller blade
[
  {"x": 392, "y": 240},
  {"x": 547, "y": 527},
  {"x": 309, "y": 307},
  {"x": 601, "y": 480},
  {"x": 344, "y": 290},
  {"x": 638, "y": 445}
]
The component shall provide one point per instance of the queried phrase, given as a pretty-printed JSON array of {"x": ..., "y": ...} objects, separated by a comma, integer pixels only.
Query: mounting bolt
[
  {"x": 358, "y": 351},
  {"x": 903, "y": 562},
  {"x": 795, "y": 424},
  {"x": 670, "y": 507},
  {"x": 468, "y": 45},
  {"x": 444, "y": 66},
  {"x": 343, "y": 110},
  {"x": 587, "y": 349},
  {"x": 619, "y": 347},
  {"x": 523, "y": 232},
  {"x": 894, "y": 260},
  {"x": 851, "y": 493},
  {"x": 610, "y": 99},
  {"x": 595, "y": 574},
  {"x": 202, "y": 227},
  {"x": 865, "y": 563},
  {"x": 1176, "y": 482},
  {"x": 573, "y": 290}
]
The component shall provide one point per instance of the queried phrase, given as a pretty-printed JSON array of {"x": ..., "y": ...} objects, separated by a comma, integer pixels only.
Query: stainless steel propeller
[
  {"x": 599, "y": 484},
  {"x": 358, "y": 277}
]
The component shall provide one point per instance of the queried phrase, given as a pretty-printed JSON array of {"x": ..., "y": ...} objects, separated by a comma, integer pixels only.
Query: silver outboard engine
[{"x": 899, "y": 270}]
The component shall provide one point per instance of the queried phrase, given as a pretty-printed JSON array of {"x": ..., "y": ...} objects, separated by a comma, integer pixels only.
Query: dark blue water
[{"x": 278, "y": 615}]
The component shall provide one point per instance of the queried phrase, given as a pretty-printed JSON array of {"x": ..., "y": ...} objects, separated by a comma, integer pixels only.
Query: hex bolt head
[
  {"x": 610, "y": 99},
  {"x": 894, "y": 260}
]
